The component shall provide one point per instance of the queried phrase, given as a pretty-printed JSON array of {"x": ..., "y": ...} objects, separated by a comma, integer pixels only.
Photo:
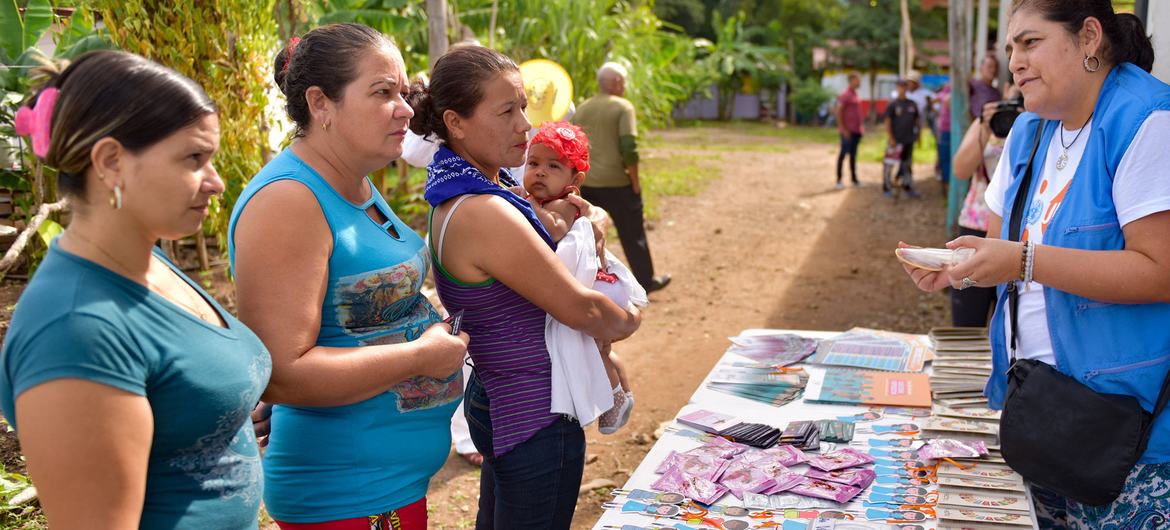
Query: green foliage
[
  {"x": 17, "y": 516},
  {"x": 226, "y": 47},
  {"x": 689, "y": 15},
  {"x": 583, "y": 34},
  {"x": 807, "y": 96},
  {"x": 733, "y": 59},
  {"x": 22, "y": 70}
]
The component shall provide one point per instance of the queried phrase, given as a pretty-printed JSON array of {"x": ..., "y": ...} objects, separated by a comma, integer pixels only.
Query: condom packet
[
  {"x": 697, "y": 465},
  {"x": 839, "y": 459},
  {"x": 784, "y": 477},
  {"x": 859, "y": 478},
  {"x": 740, "y": 478},
  {"x": 696, "y": 488},
  {"x": 940, "y": 448},
  {"x": 787, "y": 454},
  {"x": 719, "y": 447},
  {"x": 821, "y": 489}
]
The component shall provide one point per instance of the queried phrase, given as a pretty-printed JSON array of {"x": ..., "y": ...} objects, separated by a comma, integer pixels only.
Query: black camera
[{"x": 1006, "y": 112}]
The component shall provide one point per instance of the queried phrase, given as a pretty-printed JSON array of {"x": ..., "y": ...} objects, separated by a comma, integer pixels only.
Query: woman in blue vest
[
  {"x": 364, "y": 374},
  {"x": 1095, "y": 232},
  {"x": 128, "y": 385}
]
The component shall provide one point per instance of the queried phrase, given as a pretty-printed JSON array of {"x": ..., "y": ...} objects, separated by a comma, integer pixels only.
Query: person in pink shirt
[{"x": 849, "y": 125}]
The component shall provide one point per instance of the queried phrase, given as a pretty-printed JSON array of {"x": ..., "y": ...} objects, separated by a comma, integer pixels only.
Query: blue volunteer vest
[{"x": 1111, "y": 348}]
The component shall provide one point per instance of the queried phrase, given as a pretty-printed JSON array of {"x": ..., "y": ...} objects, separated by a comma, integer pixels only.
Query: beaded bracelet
[
  {"x": 1030, "y": 251},
  {"x": 1023, "y": 260}
]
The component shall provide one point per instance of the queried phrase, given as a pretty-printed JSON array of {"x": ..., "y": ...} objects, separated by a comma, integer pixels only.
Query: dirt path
[{"x": 769, "y": 243}]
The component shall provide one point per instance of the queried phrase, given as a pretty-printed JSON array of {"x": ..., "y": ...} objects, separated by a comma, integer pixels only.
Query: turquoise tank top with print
[{"x": 324, "y": 464}]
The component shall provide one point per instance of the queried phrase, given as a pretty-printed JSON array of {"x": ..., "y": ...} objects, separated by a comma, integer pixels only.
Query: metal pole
[{"x": 958, "y": 18}]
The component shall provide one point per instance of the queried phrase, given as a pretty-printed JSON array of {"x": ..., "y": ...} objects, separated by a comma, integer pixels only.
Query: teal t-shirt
[
  {"x": 79, "y": 320},
  {"x": 329, "y": 463}
]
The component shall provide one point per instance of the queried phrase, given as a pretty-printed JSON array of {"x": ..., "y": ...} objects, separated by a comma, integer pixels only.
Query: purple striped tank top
[{"x": 508, "y": 349}]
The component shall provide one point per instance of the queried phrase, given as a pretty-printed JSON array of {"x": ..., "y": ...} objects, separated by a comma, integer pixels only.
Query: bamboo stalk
[{"x": 17, "y": 247}]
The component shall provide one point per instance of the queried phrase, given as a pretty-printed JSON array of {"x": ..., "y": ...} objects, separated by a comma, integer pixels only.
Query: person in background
[
  {"x": 849, "y": 127},
  {"x": 983, "y": 89},
  {"x": 128, "y": 385},
  {"x": 944, "y": 138},
  {"x": 903, "y": 129},
  {"x": 978, "y": 155},
  {"x": 923, "y": 98},
  {"x": 613, "y": 181},
  {"x": 365, "y": 375},
  {"x": 1096, "y": 299}
]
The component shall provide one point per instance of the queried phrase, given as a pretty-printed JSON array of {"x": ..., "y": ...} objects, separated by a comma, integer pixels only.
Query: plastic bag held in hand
[{"x": 933, "y": 259}]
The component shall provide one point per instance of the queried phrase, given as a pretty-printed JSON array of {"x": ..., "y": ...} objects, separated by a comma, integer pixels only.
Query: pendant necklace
[{"x": 1062, "y": 160}]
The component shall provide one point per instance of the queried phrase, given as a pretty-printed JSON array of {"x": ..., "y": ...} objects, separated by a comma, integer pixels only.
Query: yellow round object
[{"x": 549, "y": 89}]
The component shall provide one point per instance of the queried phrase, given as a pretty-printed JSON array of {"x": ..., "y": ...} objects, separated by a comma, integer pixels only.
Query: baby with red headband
[{"x": 558, "y": 157}]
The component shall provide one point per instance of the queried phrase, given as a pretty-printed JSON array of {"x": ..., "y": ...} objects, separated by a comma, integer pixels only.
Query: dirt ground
[{"x": 768, "y": 244}]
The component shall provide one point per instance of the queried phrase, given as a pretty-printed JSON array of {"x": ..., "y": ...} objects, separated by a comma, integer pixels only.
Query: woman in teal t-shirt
[
  {"x": 365, "y": 377},
  {"x": 128, "y": 385}
]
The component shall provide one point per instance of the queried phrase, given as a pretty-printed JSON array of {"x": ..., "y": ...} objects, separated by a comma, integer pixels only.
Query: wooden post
[
  {"x": 1001, "y": 42},
  {"x": 437, "y": 30},
  {"x": 201, "y": 249},
  {"x": 908, "y": 35},
  {"x": 403, "y": 177},
  {"x": 960, "y": 42},
  {"x": 492, "y": 25},
  {"x": 981, "y": 31}
]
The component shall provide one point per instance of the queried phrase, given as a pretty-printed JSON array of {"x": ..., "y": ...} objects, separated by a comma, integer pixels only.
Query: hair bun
[
  {"x": 280, "y": 68},
  {"x": 425, "y": 122},
  {"x": 1132, "y": 43}
]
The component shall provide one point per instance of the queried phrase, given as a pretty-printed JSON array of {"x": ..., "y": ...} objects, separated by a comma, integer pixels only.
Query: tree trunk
[
  {"x": 437, "y": 26},
  {"x": 908, "y": 35}
]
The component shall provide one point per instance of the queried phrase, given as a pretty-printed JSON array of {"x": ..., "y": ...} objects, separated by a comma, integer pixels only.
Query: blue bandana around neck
[{"x": 449, "y": 175}]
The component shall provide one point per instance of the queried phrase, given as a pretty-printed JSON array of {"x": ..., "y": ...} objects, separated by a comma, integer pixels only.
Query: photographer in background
[{"x": 975, "y": 159}]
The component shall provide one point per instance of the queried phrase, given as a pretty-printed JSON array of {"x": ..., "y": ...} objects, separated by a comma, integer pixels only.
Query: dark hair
[
  {"x": 134, "y": 100},
  {"x": 327, "y": 58},
  {"x": 1126, "y": 40},
  {"x": 456, "y": 84}
]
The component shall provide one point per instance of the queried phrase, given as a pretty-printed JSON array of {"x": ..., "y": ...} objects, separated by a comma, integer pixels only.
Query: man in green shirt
[{"x": 612, "y": 181}]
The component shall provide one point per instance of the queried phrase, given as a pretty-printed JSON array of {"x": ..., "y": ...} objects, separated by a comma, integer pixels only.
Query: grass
[{"x": 677, "y": 175}]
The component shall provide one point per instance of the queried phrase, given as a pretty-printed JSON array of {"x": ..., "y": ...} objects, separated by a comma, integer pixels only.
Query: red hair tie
[
  {"x": 292, "y": 46},
  {"x": 567, "y": 140}
]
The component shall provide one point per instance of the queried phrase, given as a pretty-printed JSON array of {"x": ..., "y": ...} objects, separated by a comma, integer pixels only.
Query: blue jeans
[
  {"x": 534, "y": 485},
  {"x": 944, "y": 156}
]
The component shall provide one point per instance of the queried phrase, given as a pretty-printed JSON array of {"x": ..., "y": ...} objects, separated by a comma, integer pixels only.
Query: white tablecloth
[{"x": 750, "y": 411}]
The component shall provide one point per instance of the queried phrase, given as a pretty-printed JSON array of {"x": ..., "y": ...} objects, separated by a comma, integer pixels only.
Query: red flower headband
[
  {"x": 567, "y": 140},
  {"x": 292, "y": 46},
  {"x": 35, "y": 122}
]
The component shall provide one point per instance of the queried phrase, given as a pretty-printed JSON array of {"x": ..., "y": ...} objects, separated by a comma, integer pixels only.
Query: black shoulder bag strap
[{"x": 1015, "y": 233}]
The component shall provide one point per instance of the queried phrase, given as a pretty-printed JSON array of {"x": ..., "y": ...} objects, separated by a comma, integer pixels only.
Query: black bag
[{"x": 1058, "y": 433}]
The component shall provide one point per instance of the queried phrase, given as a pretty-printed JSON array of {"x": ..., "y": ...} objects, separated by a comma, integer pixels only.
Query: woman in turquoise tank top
[{"x": 365, "y": 376}]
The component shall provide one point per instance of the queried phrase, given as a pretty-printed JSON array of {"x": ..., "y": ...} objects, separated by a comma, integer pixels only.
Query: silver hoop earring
[
  {"x": 1096, "y": 63},
  {"x": 116, "y": 198}
]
